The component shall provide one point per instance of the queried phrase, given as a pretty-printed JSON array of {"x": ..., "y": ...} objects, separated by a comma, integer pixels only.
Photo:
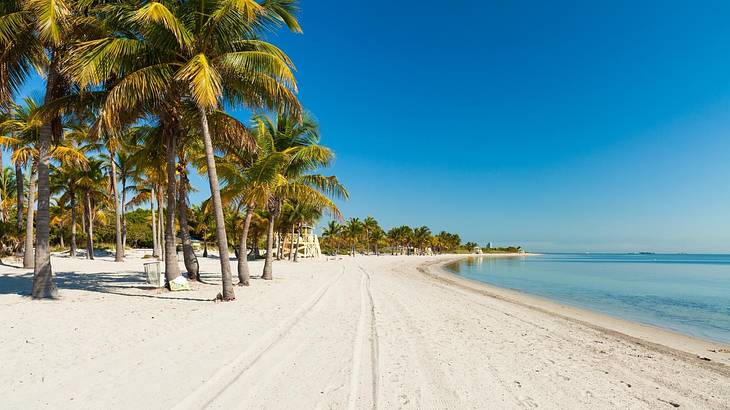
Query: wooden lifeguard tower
[{"x": 308, "y": 243}]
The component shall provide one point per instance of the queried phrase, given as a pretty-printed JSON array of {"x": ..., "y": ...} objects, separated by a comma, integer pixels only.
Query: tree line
[{"x": 366, "y": 236}]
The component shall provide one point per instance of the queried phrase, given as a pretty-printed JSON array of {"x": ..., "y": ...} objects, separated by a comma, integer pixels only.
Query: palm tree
[
  {"x": 148, "y": 178},
  {"x": 93, "y": 186},
  {"x": 249, "y": 176},
  {"x": 298, "y": 143},
  {"x": 127, "y": 168},
  {"x": 421, "y": 238},
  {"x": 353, "y": 229},
  {"x": 37, "y": 33},
  {"x": 370, "y": 225},
  {"x": 64, "y": 181},
  {"x": 27, "y": 125},
  {"x": 377, "y": 236},
  {"x": 332, "y": 232},
  {"x": 189, "y": 258}
]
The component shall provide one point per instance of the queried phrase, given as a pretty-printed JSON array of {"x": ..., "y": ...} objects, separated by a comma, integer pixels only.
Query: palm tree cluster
[
  {"x": 367, "y": 237},
  {"x": 138, "y": 94}
]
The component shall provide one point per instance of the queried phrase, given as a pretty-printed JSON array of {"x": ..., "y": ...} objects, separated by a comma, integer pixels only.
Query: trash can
[{"x": 154, "y": 274}]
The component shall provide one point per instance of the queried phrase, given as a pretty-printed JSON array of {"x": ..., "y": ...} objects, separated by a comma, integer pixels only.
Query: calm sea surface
[{"x": 685, "y": 293}]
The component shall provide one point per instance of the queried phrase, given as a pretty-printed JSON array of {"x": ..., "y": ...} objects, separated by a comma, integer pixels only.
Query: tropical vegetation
[{"x": 139, "y": 96}]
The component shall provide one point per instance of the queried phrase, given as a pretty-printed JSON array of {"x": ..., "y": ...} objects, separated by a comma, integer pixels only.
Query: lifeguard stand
[{"x": 308, "y": 243}]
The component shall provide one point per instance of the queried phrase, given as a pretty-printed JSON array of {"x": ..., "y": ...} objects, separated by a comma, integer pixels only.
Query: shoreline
[
  {"x": 686, "y": 347},
  {"x": 362, "y": 332}
]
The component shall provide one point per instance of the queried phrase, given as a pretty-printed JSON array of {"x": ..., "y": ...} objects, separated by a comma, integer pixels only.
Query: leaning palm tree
[
  {"x": 298, "y": 143},
  {"x": 203, "y": 51},
  {"x": 249, "y": 176}
]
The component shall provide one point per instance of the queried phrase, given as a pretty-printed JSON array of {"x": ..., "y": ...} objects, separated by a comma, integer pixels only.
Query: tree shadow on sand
[{"x": 118, "y": 283}]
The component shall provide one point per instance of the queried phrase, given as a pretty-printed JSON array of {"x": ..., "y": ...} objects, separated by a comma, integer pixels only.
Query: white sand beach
[{"x": 367, "y": 332}]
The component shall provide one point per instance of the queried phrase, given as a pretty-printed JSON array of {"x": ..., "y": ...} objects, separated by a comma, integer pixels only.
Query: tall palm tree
[
  {"x": 249, "y": 176},
  {"x": 148, "y": 178},
  {"x": 298, "y": 142},
  {"x": 38, "y": 33},
  {"x": 127, "y": 168}
]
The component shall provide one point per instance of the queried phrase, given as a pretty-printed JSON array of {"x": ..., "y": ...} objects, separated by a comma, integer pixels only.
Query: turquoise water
[{"x": 685, "y": 293}]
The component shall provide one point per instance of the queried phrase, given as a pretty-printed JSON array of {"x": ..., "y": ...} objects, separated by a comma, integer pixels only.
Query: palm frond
[
  {"x": 203, "y": 79},
  {"x": 50, "y": 16},
  {"x": 156, "y": 12}
]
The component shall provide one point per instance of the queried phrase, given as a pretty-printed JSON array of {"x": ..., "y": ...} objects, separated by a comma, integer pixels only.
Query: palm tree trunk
[
  {"x": 28, "y": 255},
  {"x": 255, "y": 245},
  {"x": 155, "y": 246},
  {"x": 160, "y": 225},
  {"x": 299, "y": 236},
  {"x": 19, "y": 185},
  {"x": 119, "y": 246},
  {"x": 2, "y": 173},
  {"x": 124, "y": 219},
  {"x": 267, "y": 275},
  {"x": 244, "y": 275},
  {"x": 220, "y": 226},
  {"x": 89, "y": 228},
  {"x": 72, "y": 251},
  {"x": 43, "y": 286},
  {"x": 172, "y": 269},
  {"x": 280, "y": 250},
  {"x": 191, "y": 261},
  {"x": 205, "y": 248},
  {"x": 291, "y": 243}
]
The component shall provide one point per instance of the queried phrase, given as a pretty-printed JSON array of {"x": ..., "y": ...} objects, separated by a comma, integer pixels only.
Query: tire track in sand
[
  {"x": 367, "y": 331},
  {"x": 227, "y": 375}
]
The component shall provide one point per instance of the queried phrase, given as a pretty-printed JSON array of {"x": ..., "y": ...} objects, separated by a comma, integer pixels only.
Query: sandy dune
[{"x": 365, "y": 332}]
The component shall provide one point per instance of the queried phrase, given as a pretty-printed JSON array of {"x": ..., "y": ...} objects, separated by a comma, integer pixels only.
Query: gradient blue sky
[{"x": 558, "y": 126}]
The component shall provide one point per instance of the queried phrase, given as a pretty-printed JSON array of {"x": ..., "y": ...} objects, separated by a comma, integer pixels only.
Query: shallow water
[{"x": 685, "y": 293}]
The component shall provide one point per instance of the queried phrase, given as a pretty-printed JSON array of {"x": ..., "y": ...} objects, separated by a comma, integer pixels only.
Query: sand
[{"x": 366, "y": 332}]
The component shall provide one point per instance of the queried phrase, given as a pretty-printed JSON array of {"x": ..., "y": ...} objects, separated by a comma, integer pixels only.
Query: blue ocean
[{"x": 685, "y": 293}]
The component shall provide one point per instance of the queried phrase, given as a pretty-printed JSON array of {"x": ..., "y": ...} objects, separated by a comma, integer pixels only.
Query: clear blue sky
[{"x": 559, "y": 126}]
